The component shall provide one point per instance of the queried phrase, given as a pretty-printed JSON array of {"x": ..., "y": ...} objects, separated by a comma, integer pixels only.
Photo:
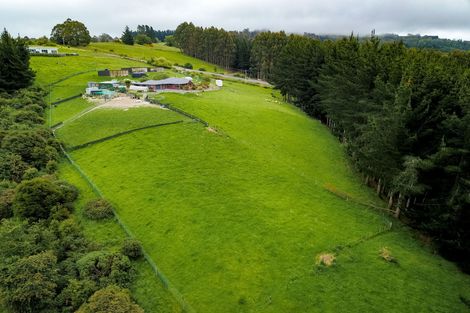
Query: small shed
[{"x": 114, "y": 73}]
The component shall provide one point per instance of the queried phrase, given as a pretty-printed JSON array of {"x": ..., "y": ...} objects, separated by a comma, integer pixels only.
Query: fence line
[
  {"x": 179, "y": 111},
  {"x": 68, "y": 76},
  {"x": 345, "y": 196},
  {"x": 89, "y": 143},
  {"x": 55, "y": 103},
  {"x": 158, "y": 273}
]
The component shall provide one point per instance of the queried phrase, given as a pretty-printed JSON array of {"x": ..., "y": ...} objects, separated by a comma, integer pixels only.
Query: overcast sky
[{"x": 446, "y": 18}]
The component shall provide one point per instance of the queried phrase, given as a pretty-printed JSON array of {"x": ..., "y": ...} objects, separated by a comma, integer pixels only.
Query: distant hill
[{"x": 411, "y": 41}]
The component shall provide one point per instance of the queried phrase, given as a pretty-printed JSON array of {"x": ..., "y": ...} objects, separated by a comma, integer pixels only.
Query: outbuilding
[{"x": 42, "y": 50}]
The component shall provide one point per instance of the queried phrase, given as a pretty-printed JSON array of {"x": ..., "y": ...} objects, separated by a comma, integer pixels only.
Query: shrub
[
  {"x": 30, "y": 283},
  {"x": 30, "y": 173},
  {"x": 111, "y": 299},
  {"x": 106, "y": 268},
  {"x": 6, "y": 203},
  {"x": 69, "y": 191},
  {"x": 188, "y": 66},
  {"x": 142, "y": 39},
  {"x": 132, "y": 248},
  {"x": 52, "y": 166},
  {"x": 160, "y": 62},
  {"x": 202, "y": 69},
  {"x": 35, "y": 198},
  {"x": 98, "y": 209},
  {"x": 75, "y": 294}
]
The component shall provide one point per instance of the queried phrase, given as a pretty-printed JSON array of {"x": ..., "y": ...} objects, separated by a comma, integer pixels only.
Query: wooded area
[
  {"x": 46, "y": 263},
  {"x": 402, "y": 114}
]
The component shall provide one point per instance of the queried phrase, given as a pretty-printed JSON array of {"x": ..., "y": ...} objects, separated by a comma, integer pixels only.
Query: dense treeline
[
  {"x": 46, "y": 263},
  {"x": 410, "y": 41},
  {"x": 144, "y": 34},
  {"x": 403, "y": 115}
]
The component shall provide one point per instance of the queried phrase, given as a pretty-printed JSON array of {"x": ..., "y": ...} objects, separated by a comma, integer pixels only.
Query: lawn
[
  {"x": 235, "y": 219},
  {"x": 103, "y": 122}
]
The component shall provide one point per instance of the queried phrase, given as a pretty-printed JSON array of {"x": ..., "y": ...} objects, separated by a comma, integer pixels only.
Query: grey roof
[{"x": 167, "y": 81}]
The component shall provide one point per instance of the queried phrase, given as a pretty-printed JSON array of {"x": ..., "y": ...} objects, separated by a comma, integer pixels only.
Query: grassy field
[
  {"x": 147, "y": 290},
  {"x": 236, "y": 218},
  {"x": 105, "y": 122},
  {"x": 172, "y": 54}
]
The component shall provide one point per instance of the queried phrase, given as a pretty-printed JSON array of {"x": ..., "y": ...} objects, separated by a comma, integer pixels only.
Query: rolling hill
[{"x": 236, "y": 214}]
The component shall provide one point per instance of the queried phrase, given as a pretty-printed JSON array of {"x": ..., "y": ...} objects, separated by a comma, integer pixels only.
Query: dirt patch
[
  {"x": 326, "y": 259},
  {"x": 212, "y": 130},
  {"x": 386, "y": 254}
]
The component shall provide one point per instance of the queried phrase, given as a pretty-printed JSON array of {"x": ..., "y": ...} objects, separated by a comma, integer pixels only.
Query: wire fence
[
  {"x": 68, "y": 76},
  {"x": 158, "y": 273},
  {"x": 55, "y": 103},
  {"x": 345, "y": 196},
  {"x": 179, "y": 111},
  {"x": 89, "y": 143}
]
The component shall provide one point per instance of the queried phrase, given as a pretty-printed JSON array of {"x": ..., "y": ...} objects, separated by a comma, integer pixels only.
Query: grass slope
[
  {"x": 148, "y": 292},
  {"x": 236, "y": 219},
  {"x": 174, "y": 55},
  {"x": 103, "y": 122}
]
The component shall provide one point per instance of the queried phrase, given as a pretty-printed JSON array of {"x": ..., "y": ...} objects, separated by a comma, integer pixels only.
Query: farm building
[
  {"x": 95, "y": 91},
  {"x": 168, "y": 83},
  {"x": 43, "y": 50},
  {"x": 112, "y": 85},
  {"x": 113, "y": 73},
  {"x": 138, "y": 88},
  {"x": 136, "y": 69}
]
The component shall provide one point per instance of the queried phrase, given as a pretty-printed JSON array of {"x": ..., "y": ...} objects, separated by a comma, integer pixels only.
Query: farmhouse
[
  {"x": 168, "y": 83},
  {"x": 43, "y": 50}
]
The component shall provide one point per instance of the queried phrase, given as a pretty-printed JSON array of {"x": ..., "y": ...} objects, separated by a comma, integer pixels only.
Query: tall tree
[
  {"x": 72, "y": 33},
  {"x": 127, "y": 37},
  {"x": 14, "y": 64}
]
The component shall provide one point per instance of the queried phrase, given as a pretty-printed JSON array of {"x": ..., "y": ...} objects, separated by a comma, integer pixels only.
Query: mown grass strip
[{"x": 120, "y": 134}]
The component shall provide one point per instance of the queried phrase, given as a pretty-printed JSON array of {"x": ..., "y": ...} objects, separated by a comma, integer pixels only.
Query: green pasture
[
  {"x": 103, "y": 122},
  {"x": 235, "y": 215},
  {"x": 146, "y": 288},
  {"x": 235, "y": 219},
  {"x": 145, "y": 52}
]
